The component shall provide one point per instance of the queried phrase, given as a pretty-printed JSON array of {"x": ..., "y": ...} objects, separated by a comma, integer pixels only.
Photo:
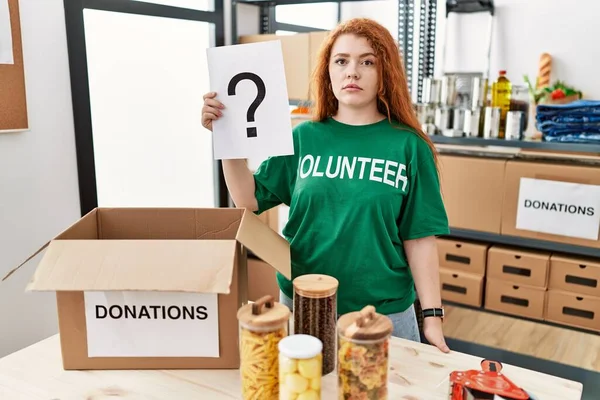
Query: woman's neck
[{"x": 358, "y": 116}]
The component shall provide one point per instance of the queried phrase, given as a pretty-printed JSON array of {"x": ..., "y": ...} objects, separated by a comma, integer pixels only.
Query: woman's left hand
[{"x": 432, "y": 328}]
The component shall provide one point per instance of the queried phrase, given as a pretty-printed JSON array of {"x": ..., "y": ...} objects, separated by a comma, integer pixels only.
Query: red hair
[{"x": 393, "y": 97}]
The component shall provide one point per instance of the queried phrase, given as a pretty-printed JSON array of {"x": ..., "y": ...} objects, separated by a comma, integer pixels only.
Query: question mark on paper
[{"x": 260, "y": 96}]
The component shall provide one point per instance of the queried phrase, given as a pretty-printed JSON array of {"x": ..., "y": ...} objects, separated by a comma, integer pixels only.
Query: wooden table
[{"x": 417, "y": 372}]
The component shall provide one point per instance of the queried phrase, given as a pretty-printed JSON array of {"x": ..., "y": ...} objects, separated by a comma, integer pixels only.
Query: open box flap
[
  {"x": 201, "y": 266},
  {"x": 85, "y": 228},
  {"x": 265, "y": 243}
]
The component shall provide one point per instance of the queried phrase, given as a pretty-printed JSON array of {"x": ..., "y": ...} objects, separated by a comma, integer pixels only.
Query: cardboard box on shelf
[
  {"x": 316, "y": 40},
  {"x": 462, "y": 255},
  {"x": 296, "y": 50},
  {"x": 512, "y": 298},
  {"x": 575, "y": 275},
  {"x": 300, "y": 53},
  {"x": 520, "y": 266},
  {"x": 461, "y": 287},
  {"x": 556, "y": 202},
  {"x": 262, "y": 280},
  {"x": 154, "y": 288},
  {"x": 473, "y": 191},
  {"x": 573, "y": 310}
]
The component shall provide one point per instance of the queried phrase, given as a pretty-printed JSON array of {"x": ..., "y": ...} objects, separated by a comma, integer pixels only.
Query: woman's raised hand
[{"x": 211, "y": 110}]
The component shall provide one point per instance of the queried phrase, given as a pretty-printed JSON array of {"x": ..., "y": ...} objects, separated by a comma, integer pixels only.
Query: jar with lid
[
  {"x": 363, "y": 354},
  {"x": 315, "y": 312},
  {"x": 262, "y": 325},
  {"x": 300, "y": 368}
]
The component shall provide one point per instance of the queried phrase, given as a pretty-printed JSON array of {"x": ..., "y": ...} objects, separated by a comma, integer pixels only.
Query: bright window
[
  {"x": 202, "y": 5},
  {"x": 147, "y": 76},
  {"x": 315, "y": 15}
]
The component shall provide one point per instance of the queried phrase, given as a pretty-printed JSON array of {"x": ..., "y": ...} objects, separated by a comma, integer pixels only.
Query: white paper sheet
[
  {"x": 262, "y": 74},
  {"x": 559, "y": 208},
  {"x": 6, "y": 47},
  {"x": 152, "y": 324}
]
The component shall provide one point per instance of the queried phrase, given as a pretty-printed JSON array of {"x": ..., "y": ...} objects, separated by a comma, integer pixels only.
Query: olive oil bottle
[{"x": 501, "y": 90}]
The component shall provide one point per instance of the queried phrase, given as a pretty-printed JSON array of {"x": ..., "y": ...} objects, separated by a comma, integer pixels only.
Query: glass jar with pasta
[
  {"x": 262, "y": 325},
  {"x": 300, "y": 368},
  {"x": 363, "y": 355}
]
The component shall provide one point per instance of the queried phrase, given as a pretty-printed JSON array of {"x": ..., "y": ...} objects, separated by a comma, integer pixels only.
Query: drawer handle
[
  {"x": 455, "y": 275},
  {"x": 458, "y": 259},
  {"x": 518, "y": 257},
  {"x": 515, "y": 287},
  {"x": 454, "y": 288},
  {"x": 578, "y": 313},
  {"x": 458, "y": 245},
  {"x": 577, "y": 280},
  {"x": 515, "y": 301},
  {"x": 507, "y": 269},
  {"x": 582, "y": 266},
  {"x": 579, "y": 298}
]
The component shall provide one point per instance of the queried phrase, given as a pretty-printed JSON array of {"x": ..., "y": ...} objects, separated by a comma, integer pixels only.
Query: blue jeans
[{"x": 405, "y": 323}]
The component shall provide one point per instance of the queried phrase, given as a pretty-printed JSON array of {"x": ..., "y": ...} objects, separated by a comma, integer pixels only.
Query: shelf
[
  {"x": 536, "y": 244},
  {"x": 469, "y": 6},
  {"x": 289, "y": 2},
  {"x": 523, "y": 144}
]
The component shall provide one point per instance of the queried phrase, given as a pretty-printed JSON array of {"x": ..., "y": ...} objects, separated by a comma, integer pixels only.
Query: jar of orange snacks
[
  {"x": 262, "y": 325},
  {"x": 300, "y": 367},
  {"x": 363, "y": 355}
]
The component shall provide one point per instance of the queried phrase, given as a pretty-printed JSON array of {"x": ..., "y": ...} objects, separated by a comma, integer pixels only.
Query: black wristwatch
[{"x": 433, "y": 312}]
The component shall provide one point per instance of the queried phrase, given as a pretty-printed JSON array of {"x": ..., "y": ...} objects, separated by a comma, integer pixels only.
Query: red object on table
[{"x": 487, "y": 380}]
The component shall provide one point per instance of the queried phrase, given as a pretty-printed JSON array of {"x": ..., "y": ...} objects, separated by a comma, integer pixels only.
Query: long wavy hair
[{"x": 393, "y": 97}]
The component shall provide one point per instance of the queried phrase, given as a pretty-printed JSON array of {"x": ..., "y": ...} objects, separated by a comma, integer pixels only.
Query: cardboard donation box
[{"x": 154, "y": 288}]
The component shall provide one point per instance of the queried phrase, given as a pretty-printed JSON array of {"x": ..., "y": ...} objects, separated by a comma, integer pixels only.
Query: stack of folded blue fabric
[{"x": 578, "y": 121}]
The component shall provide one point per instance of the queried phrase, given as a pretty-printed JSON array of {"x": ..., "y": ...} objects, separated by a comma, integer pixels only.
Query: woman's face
[{"x": 353, "y": 71}]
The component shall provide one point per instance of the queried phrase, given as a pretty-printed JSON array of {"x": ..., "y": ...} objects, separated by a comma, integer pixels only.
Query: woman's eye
[
  {"x": 340, "y": 61},
  {"x": 369, "y": 62}
]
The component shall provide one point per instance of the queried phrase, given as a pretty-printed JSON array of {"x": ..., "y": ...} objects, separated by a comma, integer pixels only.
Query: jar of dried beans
[
  {"x": 262, "y": 325},
  {"x": 363, "y": 355},
  {"x": 300, "y": 365},
  {"x": 315, "y": 312}
]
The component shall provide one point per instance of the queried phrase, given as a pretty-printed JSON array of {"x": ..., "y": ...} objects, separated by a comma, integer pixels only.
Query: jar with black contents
[
  {"x": 363, "y": 354},
  {"x": 315, "y": 313}
]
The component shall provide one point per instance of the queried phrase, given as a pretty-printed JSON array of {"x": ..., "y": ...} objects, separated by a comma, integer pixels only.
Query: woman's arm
[
  {"x": 423, "y": 259},
  {"x": 240, "y": 182}
]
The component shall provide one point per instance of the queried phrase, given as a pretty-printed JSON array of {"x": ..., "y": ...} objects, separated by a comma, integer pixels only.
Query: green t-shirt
[{"x": 355, "y": 194}]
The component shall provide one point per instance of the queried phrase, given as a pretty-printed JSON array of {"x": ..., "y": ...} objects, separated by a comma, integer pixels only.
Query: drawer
[
  {"x": 461, "y": 287},
  {"x": 573, "y": 310},
  {"x": 462, "y": 256},
  {"x": 576, "y": 275},
  {"x": 519, "y": 266},
  {"x": 510, "y": 298}
]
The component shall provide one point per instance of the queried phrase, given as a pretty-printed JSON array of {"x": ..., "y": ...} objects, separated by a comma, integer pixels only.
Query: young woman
[{"x": 362, "y": 186}]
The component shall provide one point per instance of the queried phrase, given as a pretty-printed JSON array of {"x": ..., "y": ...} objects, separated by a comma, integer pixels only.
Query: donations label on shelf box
[{"x": 560, "y": 208}]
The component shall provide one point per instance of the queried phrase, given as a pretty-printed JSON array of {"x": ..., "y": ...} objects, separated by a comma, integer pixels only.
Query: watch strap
[{"x": 433, "y": 312}]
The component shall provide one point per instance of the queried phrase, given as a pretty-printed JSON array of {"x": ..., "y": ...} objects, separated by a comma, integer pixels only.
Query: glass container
[
  {"x": 363, "y": 354},
  {"x": 315, "y": 312},
  {"x": 262, "y": 325},
  {"x": 300, "y": 368},
  {"x": 519, "y": 101}
]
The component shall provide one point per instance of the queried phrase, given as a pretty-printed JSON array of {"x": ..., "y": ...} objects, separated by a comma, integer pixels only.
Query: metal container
[
  {"x": 491, "y": 124},
  {"x": 443, "y": 118},
  {"x": 479, "y": 92},
  {"x": 515, "y": 125},
  {"x": 458, "y": 120},
  {"x": 425, "y": 113},
  {"x": 431, "y": 91},
  {"x": 471, "y": 125},
  {"x": 448, "y": 90}
]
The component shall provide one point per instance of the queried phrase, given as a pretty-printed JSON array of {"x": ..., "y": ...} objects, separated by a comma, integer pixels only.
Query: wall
[
  {"x": 38, "y": 175},
  {"x": 523, "y": 30}
]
